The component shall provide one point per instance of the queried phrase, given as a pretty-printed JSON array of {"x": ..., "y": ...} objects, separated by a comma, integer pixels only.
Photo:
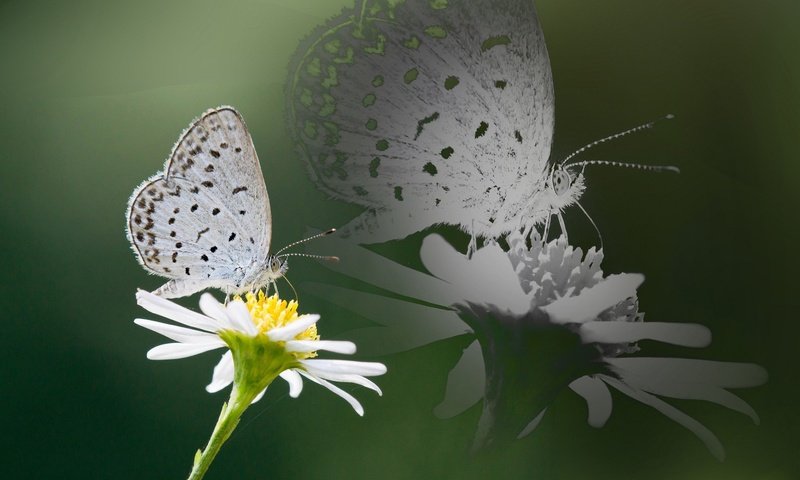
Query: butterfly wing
[
  {"x": 205, "y": 220},
  {"x": 440, "y": 108}
]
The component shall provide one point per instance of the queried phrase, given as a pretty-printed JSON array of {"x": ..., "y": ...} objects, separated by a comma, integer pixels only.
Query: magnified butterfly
[
  {"x": 205, "y": 221},
  {"x": 433, "y": 111}
]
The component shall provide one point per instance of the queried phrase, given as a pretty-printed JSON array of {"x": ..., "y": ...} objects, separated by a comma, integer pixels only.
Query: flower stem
[{"x": 228, "y": 420}]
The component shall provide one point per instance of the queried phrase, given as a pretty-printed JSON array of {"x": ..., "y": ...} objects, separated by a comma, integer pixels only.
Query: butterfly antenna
[
  {"x": 546, "y": 232},
  {"x": 327, "y": 258},
  {"x": 313, "y": 237},
  {"x": 599, "y": 235},
  {"x": 615, "y": 136},
  {"x": 648, "y": 168}
]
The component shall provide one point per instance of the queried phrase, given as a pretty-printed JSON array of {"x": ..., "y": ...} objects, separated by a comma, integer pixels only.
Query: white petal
[
  {"x": 259, "y": 396},
  {"x": 335, "y": 346},
  {"x": 591, "y": 301},
  {"x": 350, "y": 378},
  {"x": 677, "y": 370},
  {"x": 488, "y": 277},
  {"x": 408, "y": 325},
  {"x": 172, "y": 351},
  {"x": 240, "y": 317},
  {"x": 326, "y": 366},
  {"x": 338, "y": 391},
  {"x": 211, "y": 307},
  {"x": 711, "y": 441},
  {"x": 173, "y": 311},
  {"x": 598, "y": 399},
  {"x": 295, "y": 382},
  {"x": 465, "y": 383},
  {"x": 174, "y": 332},
  {"x": 532, "y": 426},
  {"x": 223, "y": 373},
  {"x": 290, "y": 331},
  {"x": 684, "y": 334},
  {"x": 670, "y": 386},
  {"x": 358, "y": 262}
]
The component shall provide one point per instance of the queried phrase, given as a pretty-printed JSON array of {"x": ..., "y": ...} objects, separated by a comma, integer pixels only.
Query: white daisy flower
[
  {"x": 265, "y": 338},
  {"x": 265, "y": 334},
  {"x": 544, "y": 318}
]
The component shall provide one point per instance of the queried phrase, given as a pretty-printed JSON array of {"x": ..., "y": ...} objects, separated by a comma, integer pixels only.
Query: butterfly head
[
  {"x": 560, "y": 181},
  {"x": 277, "y": 266},
  {"x": 562, "y": 187}
]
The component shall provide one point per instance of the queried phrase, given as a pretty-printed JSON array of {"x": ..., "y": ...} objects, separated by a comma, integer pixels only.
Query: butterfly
[
  {"x": 204, "y": 221},
  {"x": 432, "y": 112}
]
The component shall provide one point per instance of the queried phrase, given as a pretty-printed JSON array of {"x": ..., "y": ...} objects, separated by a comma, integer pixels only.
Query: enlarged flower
[
  {"x": 266, "y": 338},
  {"x": 544, "y": 319}
]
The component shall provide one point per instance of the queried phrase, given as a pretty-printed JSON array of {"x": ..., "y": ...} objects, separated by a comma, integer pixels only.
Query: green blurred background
[{"x": 94, "y": 94}]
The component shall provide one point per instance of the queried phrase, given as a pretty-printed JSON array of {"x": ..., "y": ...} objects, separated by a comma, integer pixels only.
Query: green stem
[
  {"x": 257, "y": 361},
  {"x": 228, "y": 420}
]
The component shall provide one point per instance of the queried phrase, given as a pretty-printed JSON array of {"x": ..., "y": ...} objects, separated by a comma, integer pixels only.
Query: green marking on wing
[
  {"x": 368, "y": 100},
  {"x": 373, "y": 167},
  {"x": 329, "y": 106},
  {"x": 313, "y": 67},
  {"x": 412, "y": 43},
  {"x": 332, "y": 136},
  {"x": 411, "y": 75},
  {"x": 421, "y": 124},
  {"x": 495, "y": 41},
  {"x": 306, "y": 98},
  {"x": 436, "y": 31},
  {"x": 451, "y": 82},
  {"x": 332, "y": 79},
  {"x": 311, "y": 130},
  {"x": 346, "y": 58},
  {"x": 333, "y": 46},
  {"x": 379, "y": 48}
]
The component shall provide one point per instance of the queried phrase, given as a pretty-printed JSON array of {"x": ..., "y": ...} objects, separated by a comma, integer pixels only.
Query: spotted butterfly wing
[
  {"x": 204, "y": 222},
  {"x": 426, "y": 112}
]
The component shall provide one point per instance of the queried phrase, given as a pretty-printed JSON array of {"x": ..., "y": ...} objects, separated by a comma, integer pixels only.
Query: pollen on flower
[{"x": 272, "y": 312}]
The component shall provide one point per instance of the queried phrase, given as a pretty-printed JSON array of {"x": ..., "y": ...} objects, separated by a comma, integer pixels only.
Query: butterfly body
[
  {"x": 429, "y": 112},
  {"x": 205, "y": 221}
]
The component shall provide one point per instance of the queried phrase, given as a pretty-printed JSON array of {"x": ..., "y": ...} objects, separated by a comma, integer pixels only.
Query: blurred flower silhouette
[
  {"x": 544, "y": 319},
  {"x": 266, "y": 338}
]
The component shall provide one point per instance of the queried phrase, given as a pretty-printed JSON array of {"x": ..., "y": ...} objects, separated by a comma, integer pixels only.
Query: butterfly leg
[
  {"x": 546, "y": 232},
  {"x": 473, "y": 243},
  {"x": 563, "y": 226}
]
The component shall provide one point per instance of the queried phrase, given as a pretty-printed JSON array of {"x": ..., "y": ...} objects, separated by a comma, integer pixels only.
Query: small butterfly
[
  {"x": 205, "y": 221},
  {"x": 432, "y": 112}
]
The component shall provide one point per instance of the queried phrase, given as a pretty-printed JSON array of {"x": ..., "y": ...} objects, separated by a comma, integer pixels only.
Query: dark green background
[{"x": 95, "y": 93}]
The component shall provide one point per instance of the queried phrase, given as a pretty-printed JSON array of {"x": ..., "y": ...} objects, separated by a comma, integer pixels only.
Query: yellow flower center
[{"x": 272, "y": 312}]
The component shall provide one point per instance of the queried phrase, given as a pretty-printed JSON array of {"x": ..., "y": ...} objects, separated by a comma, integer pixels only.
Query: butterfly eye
[
  {"x": 561, "y": 182},
  {"x": 275, "y": 265}
]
